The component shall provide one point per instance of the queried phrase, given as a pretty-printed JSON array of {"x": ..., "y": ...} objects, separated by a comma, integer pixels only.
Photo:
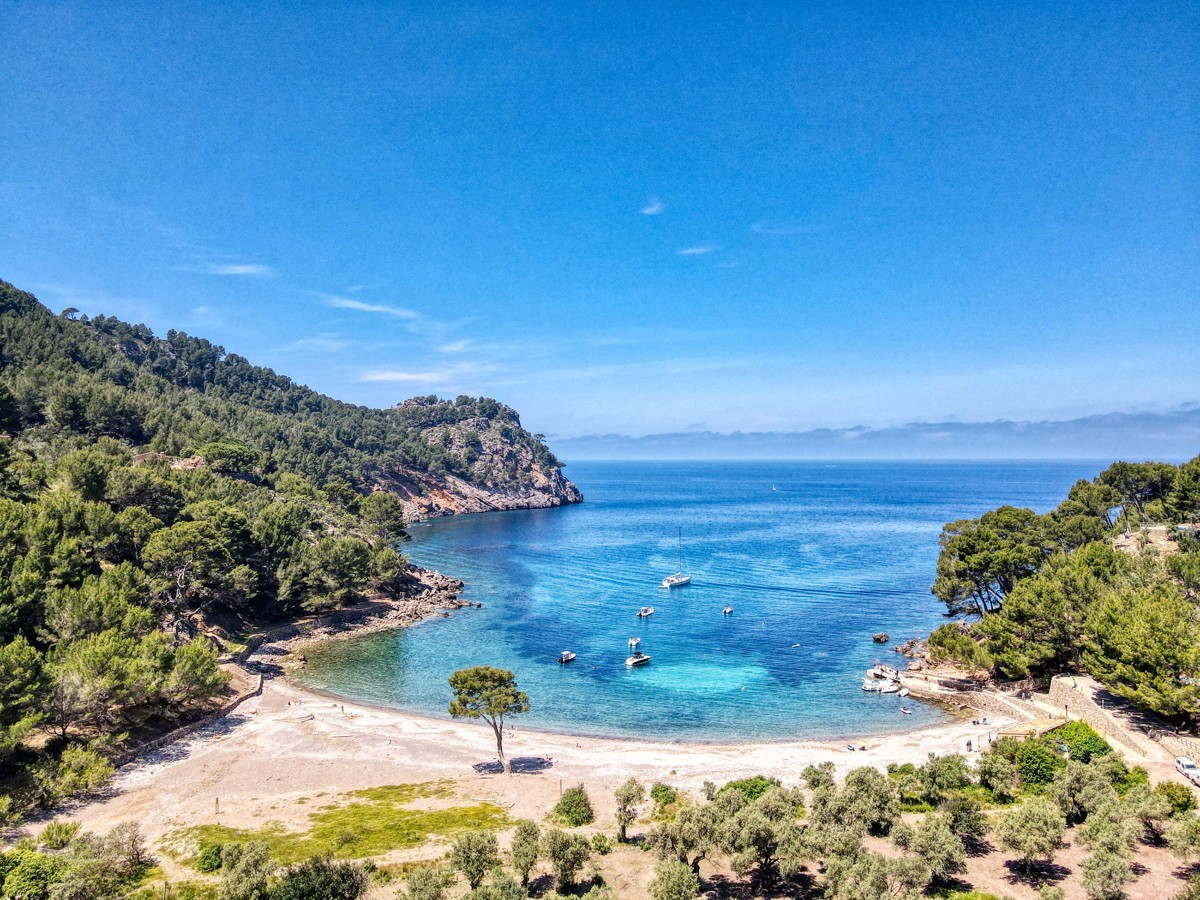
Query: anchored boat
[
  {"x": 638, "y": 659},
  {"x": 678, "y": 578},
  {"x": 566, "y": 656}
]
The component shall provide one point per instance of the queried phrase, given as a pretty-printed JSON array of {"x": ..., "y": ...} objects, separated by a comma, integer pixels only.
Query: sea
[{"x": 814, "y": 557}]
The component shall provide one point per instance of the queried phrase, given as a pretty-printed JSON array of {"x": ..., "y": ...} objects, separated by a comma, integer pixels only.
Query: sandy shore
[{"x": 291, "y": 743}]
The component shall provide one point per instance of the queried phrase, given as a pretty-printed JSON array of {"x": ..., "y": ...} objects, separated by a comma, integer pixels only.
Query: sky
[{"x": 629, "y": 218}]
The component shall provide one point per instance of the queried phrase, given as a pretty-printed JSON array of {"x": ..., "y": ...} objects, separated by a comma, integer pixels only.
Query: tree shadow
[
  {"x": 1040, "y": 872},
  {"x": 980, "y": 847},
  {"x": 521, "y": 765}
]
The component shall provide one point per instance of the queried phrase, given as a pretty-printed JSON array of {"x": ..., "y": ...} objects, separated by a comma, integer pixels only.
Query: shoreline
[{"x": 958, "y": 717}]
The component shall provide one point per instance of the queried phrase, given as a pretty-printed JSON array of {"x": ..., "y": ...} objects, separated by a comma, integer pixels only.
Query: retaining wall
[
  {"x": 179, "y": 733},
  {"x": 1079, "y": 705}
]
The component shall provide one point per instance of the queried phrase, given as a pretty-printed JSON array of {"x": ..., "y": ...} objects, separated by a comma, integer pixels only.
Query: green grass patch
[
  {"x": 364, "y": 823},
  {"x": 949, "y": 894}
]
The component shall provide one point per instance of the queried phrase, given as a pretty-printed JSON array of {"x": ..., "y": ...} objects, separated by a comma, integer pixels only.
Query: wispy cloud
[
  {"x": 256, "y": 270},
  {"x": 784, "y": 228},
  {"x": 456, "y": 346},
  {"x": 394, "y": 375},
  {"x": 653, "y": 207},
  {"x": 381, "y": 308},
  {"x": 326, "y": 343},
  {"x": 698, "y": 250}
]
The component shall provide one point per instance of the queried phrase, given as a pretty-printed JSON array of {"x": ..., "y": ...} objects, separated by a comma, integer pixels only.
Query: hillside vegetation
[
  {"x": 147, "y": 485},
  {"x": 1085, "y": 587}
]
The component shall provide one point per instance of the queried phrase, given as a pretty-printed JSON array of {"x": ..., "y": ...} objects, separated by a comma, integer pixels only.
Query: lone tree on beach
[{"x": 483, "y": 692}]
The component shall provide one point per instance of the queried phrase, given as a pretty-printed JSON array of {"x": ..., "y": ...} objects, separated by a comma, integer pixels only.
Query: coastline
[{"x": 277, "y": 750}]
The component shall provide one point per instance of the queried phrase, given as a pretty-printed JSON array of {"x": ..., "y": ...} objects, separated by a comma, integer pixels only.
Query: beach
[{"x": 291, "y": 744}]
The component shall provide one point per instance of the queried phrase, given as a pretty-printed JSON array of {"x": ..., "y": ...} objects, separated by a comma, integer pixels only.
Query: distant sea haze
[{"x": 1170, "y": 436}]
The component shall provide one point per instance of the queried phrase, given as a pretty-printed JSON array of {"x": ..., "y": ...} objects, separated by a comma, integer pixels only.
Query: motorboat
[
  {"x": 890, "y": 687},
  {"x": 906, "y": 710},
  {"x": 637, "y": 659},
  {"x": 904, "y": 692},
  {"x": 566, "y": 656},
  {"x": 634, "y": 641},
  {"x": 645, "y": 612},
  {"x": 727, "y": 610},
  {"x": 872, "y": 686}
]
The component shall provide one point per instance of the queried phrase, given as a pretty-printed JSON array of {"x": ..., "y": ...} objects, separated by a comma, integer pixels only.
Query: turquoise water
[{"x": 807, "y": 553}]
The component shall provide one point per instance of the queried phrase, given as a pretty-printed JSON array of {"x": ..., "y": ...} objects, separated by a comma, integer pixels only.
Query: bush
[
  {"x": 1033, "y": 830},
  {"x": 525, "y": 849},
  {"x": 663, "y": 795},
  {"x": 424, "y": 884},
  {"x": 601, "y": 844},
  {"x": 966, "y": 818},
  {"x": 320, "y": 878},
  {"x": 1037, "y": 764},
  {"x": 57, "y": 835},
  {"x": 952, "y": 642},
  {"x": 209, "y": 859},
  {"x": 574, "y": 808},
  {"x": 245, "y": 869},
  {"x": 1081, "y": 740},
  {"x": 475, "y": 853},
  {"x": 1180, "y": 797},
  {"x": 753, "y": 788},
  {"x": 32, "y": 876},
  {"x": 674, "y": 880},
  {"x": 567, "y": 853}
]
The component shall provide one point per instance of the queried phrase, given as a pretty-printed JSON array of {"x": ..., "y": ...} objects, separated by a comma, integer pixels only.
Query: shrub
[
  {"x": 245, "y": 869},
  {"x": 320, "y": 878},
  {"x": 1180, "y": 797},
  {"x": 601, "y": 844},
  {"x": 818, "y": 776},
  {"x": 1105, "y": 875},
  {"x": 1081, "y": 740},
  {"x": 574, "y": 808},
  {"x": 475, "y": 853},
  {"x": 209, "y": 859},
  {"x": 502, "y": 887},
  {"x": 33, "y": 875},
  {"x": 525, "y": 849},
  {"x": 1033, "y": 830},
  {"x": 954, "y": 643},
  {"x": 752, "y": 788},
  {"x": 674, "y": 880},
  {"x": 1037, "y": 764},
  {"x": 567, "y": 853},
  {"x": 663, "y": 795},
  {"x": 966, "y": 818},
  {"x": 424, "y": 884},
  {"x": 998, "y": 774},
  {"x": 57, "y": 835}
]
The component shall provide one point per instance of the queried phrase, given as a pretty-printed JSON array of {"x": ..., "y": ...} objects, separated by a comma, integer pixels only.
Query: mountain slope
[{"x": 104, "y": 377}]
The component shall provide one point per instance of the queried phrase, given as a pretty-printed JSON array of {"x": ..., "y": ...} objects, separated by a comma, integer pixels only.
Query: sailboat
[{"x": 678, "y": 578}]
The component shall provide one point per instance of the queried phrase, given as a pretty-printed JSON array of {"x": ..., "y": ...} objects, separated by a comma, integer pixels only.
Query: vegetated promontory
[
  {"x": 150, "y": 486},
  {"x": 1107, "y": 583}
]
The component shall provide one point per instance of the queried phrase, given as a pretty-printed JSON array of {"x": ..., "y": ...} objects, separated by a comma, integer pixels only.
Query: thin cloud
[
  {"x": 381, "y": 308},
  {"x": 653, "y": 207},
  {"x": 456, "y": 346},
  {"x": 393, "y": 375},
  {"x": 698, "y": 250},
  {"x": 255, "y": 270},
  {"x": 324, "y": 343}
]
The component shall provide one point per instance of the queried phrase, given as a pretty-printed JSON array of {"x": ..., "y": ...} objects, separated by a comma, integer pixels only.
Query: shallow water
[{"x": 812, "y": 554}]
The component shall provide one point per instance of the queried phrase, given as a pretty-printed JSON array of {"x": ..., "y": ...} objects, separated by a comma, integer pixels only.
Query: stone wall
[
  {"x": 1077, "y": 704},
  {"x": 179, "y": 733}
]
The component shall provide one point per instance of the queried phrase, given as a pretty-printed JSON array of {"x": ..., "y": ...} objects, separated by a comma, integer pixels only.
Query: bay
[{"x": 814, "y": 554}]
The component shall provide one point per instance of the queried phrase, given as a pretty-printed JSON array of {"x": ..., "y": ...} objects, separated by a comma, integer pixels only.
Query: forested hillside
[
  {"x": 150, "y": 486},
  {"x": 1107, "y": 583}
]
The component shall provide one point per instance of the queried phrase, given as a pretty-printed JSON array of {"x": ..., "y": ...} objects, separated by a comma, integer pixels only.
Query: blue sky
[{"x": 629, "y": 217}]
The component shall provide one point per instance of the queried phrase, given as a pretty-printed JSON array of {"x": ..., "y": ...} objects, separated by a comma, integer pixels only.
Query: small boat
[
  {"x": 890, "y": 687},
  {"x": 634, "y": 641},
  {"x": 906, "y": 710},
  {"x": 795, "y": 647},
  {"x": 645, "y": 612},
  {"x": 566, "y": 656},
  {"x": 678, "y": 579},
  {"x": 904, "y": 692},
  {"x": 871, "y": 686},
  {"x": 638, "y": 659},
  {"x": 727, "y": 610}
]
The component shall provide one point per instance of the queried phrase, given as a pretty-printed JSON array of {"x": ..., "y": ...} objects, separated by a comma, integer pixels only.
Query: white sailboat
[{"x": 678, "y": 578}]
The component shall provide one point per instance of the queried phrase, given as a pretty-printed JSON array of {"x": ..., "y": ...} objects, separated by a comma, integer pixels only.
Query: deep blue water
[{"x": 813, "y": 554}]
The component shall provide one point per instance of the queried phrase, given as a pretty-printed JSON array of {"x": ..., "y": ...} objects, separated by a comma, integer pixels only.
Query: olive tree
[
  {"x": 566, "y": 853},
  {"x": 525, "y": 849},
  {"x": 1034, "y": 830},
  {"x": 674, "y": 881},
  {"x": 629, "y": 796},
  {"x": 475, "y": 854}
]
